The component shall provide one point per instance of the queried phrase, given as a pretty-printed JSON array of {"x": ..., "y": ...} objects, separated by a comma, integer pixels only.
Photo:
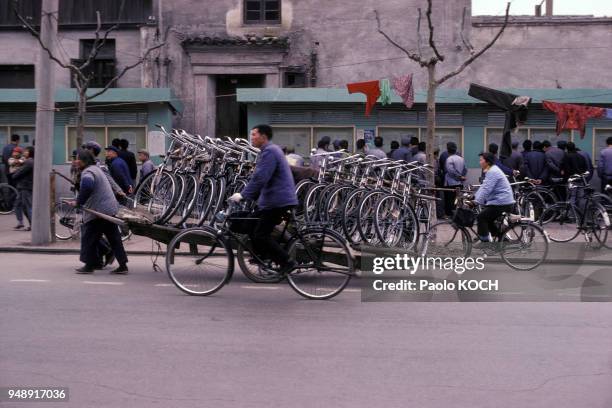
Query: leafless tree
[
  {"x": 79, "y": 72},
  {"x": 431, "y": 64}
]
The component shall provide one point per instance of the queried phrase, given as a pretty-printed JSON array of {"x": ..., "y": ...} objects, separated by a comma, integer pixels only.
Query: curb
[
  {"x": 62, "y": 251},
  {"x": 72, "y": 251}
]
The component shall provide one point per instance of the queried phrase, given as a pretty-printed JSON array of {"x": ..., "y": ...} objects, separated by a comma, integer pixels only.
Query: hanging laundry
[
  {"x": 371, "y": 89},
  {"x": 515, "y": 107},
  {"x": 608, "y": 113},
  {"x": 385, "y": 92},
  {"x": 572, "y": 116},
  {"x": 403, "y": 87}
]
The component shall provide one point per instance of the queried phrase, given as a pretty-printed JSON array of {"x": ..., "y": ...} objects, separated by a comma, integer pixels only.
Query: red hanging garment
[
  {"x": 371, "y": 89},
  {"x": 572, "y": 116}
]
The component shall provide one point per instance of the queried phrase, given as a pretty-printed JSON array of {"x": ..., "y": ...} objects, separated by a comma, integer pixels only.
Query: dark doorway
[{"x": 232, "y": 116}]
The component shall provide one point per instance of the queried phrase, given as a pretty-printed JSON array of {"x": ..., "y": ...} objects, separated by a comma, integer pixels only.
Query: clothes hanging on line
[
  {"x": 371, "y": 89},
  {"x": 572, "y": 116},
  {"x": 404, "y": 88},
  {"x": 608, "y": 113},
  {"x": 515, "y": 108},
  {"x": 385, "y": 92}
]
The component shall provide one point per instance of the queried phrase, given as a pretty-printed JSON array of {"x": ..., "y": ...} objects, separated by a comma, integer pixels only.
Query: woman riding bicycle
[
  {"x": 273, "y": 183},
  {"x": 495, "y": 196}
]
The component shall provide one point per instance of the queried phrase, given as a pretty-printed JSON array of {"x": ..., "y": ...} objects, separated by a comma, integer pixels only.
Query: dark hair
[
  {"x": 361, "y": 143},
  {"x": 86, "y": 157},
  {"x": 323, "y": 143},
  {"x": 394, "y": 145},
  {"x": 378, "y": 141},
  {"x": 609, "y": 140},
  {"x": 422, "y": 146},
  {"x": 571, "y": 147},
  {"x": 546, "y": 143},
  {"x": 537, "y": 145},
  {"x": 264, "y": 130},
  {"x": 344, "y": 144},
  {"x": 30, "y": 150},
  {"x": 414, "y": 140},
  {"x": 116, "y": 143},
  {"x": 15, "y": 138},
  {"x": 124, "y": 144},
  {"x": 451, "y": 148},
  {"x": 493, "y": 148},
  {"x": 488, "y": 157},
  {"x": 562, "y": 144},
  {"x": 527, "y": 145}
]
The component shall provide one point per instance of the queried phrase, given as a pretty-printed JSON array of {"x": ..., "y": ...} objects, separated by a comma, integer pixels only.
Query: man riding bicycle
[
  {"x": 495, "y": 195},
  {"x": 273, "y": 186}
]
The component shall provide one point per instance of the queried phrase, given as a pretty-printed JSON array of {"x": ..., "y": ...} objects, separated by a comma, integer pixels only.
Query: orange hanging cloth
[
  {"x": 371, "y": 89},
  {"x": 572, "y": 116}
]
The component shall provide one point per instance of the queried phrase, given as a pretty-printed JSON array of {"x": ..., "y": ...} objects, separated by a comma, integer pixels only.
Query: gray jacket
[
  {"x": 96, "y": 193},
  {"x": 455, "y": 169}
]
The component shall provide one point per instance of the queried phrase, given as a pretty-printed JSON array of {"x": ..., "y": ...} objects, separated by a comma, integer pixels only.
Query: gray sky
[{"x": 560, "y": 7}]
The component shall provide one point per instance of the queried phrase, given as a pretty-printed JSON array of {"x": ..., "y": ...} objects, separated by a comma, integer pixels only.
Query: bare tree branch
[
  {"x": 411, "y": 55},
  {"x": 477, "y": 54},
  {"x": 465, "y": 41},
  {"x": 126, "y": 69},
  {"x": 99, "y": 44},
  {"x": 419, "y": 34},
  {"x": 432, "y": 43}
]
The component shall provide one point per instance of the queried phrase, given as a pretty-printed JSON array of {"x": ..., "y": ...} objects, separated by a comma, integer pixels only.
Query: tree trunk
[
  {"x": 431, "y": 128},
  {"x": 431, "y": 115},
  {"x": 82, "y": 109}
]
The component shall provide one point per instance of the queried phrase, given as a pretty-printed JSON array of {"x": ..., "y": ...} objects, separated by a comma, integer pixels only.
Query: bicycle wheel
[
  {"x": 366, "y": 218},
  {"x": 395, "y": 223},
  {"x": 188, "y": 200},
  {"x": 253, "y": 270},
  {"x": 523, "y": 246},
  {"x": 157, "y": 195},
  {"x": 446, "y": 239},
  {"x": 199, "y": 262},
  {"x": 349, "y": 217},
  {"x": 67, "y": 221},
  {"x": 312, "y": 203},
  {"x": 598, "y": 222},
  {"x": 334, "y": 205},
  {"x": 563, "y": 224},
  {"x": 205, "y": 200},
  {"x": 325, "y": 265},
  {"x": 8, "y": 196}
]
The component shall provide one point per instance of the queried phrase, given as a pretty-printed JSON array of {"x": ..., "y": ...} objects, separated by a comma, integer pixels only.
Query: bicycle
[
  {"x": 8, "y": 196},
  {"x": 200, "y": 260},
  {"x": 568, "y": 218},
  {"x": 521, "y": 243}
]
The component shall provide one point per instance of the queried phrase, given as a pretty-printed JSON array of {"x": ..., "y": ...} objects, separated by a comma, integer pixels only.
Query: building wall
[
  {"x": 348, "y": 48},
  {"x": 19, "y": 47}
]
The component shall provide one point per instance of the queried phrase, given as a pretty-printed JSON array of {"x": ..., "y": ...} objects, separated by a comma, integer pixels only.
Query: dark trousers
[
  {"x": 264, "y": 245},
  {"x": 488, "y": 215},
  {"x": 449, "y": 200},
  {"x": 91, "y": 235},
  {"x": 23, "y": 206}
]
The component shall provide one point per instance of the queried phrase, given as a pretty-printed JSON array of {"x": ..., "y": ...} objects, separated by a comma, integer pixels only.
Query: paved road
[{"x": 136, "y": 341}]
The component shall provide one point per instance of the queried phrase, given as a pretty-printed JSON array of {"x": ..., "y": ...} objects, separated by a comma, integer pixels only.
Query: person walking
[
  {"x": 454, "y": 177},
  {"x": 147, "y": 167},
  {"x": 377, "y": 151},
  {"x": 128, "y": 157},
  {"x": 604, "y": 165},
  {"x": 7, "y": 153},
  {"x": 95, "y": 193},
  {"x": 118, "y": 168},
  {"x": 23, "y": 178}
]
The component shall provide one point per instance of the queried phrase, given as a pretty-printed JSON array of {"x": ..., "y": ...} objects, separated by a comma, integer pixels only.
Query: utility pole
[{"x": 45, "y": 86}]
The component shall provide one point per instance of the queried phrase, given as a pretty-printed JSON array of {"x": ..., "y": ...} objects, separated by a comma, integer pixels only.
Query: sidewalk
[
  {"x": 575, "y": 252},
  {"x": 20, "y": 241}
]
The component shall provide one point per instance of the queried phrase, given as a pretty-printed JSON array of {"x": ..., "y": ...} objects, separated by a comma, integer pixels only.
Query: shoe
[
  {"x": 287, "y": 268},
  {"x": 109, "y": 258},
  {"x": 99, "y": 266},
  {"x": 27, "y": 229},
  {"x": 120, "y": 270},
  {"x": 19, "y": 227},
  {"x": 85, "y": 270}
]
